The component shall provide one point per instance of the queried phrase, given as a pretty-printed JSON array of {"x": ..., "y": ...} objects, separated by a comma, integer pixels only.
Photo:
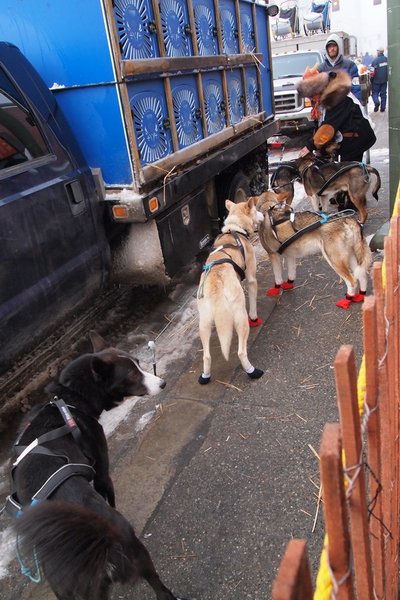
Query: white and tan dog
[
  {"x": 220, "y": 297},
  {"x": 291, "y": 235}
]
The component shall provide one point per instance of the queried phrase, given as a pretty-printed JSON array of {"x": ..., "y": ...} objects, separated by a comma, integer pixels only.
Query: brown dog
[
  {"x": 323, "y": 181},
  {"x": 292, "y": 235}
]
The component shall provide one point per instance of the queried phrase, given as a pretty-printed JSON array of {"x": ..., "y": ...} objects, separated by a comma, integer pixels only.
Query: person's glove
[{"x": 323, "y": 135}]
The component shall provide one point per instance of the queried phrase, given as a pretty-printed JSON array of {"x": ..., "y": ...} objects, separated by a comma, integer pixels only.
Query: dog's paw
[
  {"x": 204, "y": 380},
  {"x": 343, "y": 303},
  {"x": 255, "y": 322},
  {"x": 275, "y": 291},
  {"x": 256, "y": 374}
]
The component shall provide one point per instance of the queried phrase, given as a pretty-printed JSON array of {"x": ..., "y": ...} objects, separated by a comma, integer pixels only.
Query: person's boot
[{"x": 376, "y": 107}]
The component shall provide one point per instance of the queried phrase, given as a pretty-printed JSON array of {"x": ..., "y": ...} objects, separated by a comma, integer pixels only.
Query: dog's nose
[{"x": 163, "y": 384}]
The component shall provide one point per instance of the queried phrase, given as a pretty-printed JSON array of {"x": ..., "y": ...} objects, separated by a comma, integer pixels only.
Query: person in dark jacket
[
  {"x": 367, "y": 59},
  {"x": 334, "y": 60},
  {"x": 379, "y": 80},
  {"x": 339, "y": 117}
]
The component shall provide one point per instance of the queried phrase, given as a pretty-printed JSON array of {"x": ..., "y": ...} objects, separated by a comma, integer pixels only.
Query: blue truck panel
[
  {"x": 265, "y": 67},
  {"x": 175, "y": 27},
  {"x": 229, "y": 25},
  {"x": 136, "y": 29},
  {"x": 206, "y": 31},
  {"x": 66, "y": 42},
  {"x": 82, "y": 49},
  {"x": 214, "y": 102},
  {"x": 187, "y": 112},
  {"x": 149, "y": 112},
  {"x": 102, "y": 140}
]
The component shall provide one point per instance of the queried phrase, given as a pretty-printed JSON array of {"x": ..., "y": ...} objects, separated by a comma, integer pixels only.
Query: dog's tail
[
  {"x": 377, "y": 186},
  {"x": 223, "y": 318},
  {"x": 363, "y": 257},
  {"x": 75, "y": 547}
]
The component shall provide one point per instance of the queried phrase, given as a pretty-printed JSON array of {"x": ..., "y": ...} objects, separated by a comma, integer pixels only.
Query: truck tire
[{"x": 238, "y": 188}]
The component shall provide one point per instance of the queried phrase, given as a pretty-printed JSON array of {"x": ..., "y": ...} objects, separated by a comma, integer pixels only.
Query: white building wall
[{"x": 361, "y": 18}]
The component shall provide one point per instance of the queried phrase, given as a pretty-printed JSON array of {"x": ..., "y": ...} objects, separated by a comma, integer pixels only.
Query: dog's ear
[
  {"x": 229, "y": 204},
  {"x": 251, "y": 201},
  {"x": 98, "y": 342},
  {"x": 101, "y": 370}
]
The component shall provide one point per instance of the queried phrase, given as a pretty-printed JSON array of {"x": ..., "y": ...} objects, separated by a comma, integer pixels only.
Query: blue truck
[{"x": 124, "y": 125}]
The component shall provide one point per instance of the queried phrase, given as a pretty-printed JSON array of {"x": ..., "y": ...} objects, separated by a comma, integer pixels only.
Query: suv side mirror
[{"x": 272, "y": 10}]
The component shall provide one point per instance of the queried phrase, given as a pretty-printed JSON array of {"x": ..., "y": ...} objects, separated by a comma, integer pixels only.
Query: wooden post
[
  {"x": 384, "y": 419},
  {"x": 346, "y": 388},
  {"x": 374, "y": 443},
  {"x": 293, "y": 581},
  {"x": 335, "y": 511},
  {"x": 392, "y": 386}
]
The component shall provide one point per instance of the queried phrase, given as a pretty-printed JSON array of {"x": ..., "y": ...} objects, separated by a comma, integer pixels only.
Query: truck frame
[{"x": 172, "y": 106}]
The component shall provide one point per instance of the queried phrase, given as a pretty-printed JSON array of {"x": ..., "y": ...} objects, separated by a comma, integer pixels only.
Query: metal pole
[{"x": 393, "y": 24}]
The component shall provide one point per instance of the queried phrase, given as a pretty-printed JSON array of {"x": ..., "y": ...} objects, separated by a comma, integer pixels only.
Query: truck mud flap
[
  {"x": 184, "y": 231},
  {"x": 154, "y": 251},
  {"x": 139, "y": 258}
]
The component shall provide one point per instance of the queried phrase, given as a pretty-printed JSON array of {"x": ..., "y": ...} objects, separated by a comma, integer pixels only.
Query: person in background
[
  {"x": 379, "y": 80},
  {"x": 334, "y": 60},
  {"x": 367, "y": 59},
  {"x": 337, "y": 113}
]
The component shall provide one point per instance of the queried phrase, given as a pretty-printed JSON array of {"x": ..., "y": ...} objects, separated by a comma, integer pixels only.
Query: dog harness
[
  {"x": 288, "y": 166},
  {"x": 333, "y": 177},
  {"x": 12, "y": 505},
  {"x": 290, "y": 216},
  {"x": 219, "y": 261}
]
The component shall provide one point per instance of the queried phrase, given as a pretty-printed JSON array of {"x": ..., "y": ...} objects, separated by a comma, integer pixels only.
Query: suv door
[{"x": 53, "y": 250}]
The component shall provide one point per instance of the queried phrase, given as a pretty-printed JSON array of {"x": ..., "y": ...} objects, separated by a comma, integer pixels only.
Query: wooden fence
[{"x": 359, "y": 461}]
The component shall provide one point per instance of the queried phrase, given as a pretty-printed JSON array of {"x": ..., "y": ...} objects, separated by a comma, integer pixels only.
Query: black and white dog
[{"x": 80, "y": 541}]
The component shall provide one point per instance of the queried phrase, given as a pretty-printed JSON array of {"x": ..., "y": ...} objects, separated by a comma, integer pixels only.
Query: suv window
[
  {"x": 293, "y": 65},
  {"x": 20, "y": 138}
]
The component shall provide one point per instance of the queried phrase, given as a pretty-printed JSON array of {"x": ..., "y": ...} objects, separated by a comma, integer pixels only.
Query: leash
[
  {"x": 152, "y": 347},
  {"x": 27, "y": 571}
]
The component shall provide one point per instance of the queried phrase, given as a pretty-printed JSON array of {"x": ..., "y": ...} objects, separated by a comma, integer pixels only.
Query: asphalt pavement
[{"x": 224, "y": 475}]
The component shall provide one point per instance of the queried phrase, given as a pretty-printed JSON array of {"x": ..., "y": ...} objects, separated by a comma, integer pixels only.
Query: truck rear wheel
[{"x": 238, "y": 188}]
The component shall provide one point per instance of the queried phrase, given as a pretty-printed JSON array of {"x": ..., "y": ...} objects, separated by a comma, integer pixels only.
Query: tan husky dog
[
  {"x": 220, "y": 297},
  {"x": 292, "y": 235}
]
